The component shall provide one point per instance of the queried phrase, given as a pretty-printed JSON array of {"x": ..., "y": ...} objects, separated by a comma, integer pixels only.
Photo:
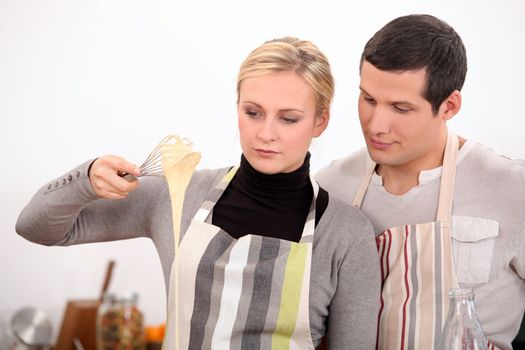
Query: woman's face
[{"x": 277, "y": 121}]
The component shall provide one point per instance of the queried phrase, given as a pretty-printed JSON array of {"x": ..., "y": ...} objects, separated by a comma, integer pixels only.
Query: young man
[{"x": 447, "y": 212}]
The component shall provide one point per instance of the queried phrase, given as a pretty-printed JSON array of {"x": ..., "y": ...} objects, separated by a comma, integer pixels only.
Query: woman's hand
[{"x": 105, "y": 178}]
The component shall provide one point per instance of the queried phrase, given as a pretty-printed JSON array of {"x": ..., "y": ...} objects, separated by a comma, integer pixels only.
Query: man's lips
[{"x": 380, "y": 144}]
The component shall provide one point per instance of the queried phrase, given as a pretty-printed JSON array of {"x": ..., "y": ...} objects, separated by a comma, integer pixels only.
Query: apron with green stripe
[
  {"x": 246, "y": 293},
  {"x": 417, "y": 269}
]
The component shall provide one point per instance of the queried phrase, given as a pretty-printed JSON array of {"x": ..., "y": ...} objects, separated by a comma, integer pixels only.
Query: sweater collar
[{"x": 281, "y": 185}]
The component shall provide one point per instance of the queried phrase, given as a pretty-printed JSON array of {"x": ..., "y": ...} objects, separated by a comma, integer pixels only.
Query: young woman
[{"x": 269, "y": 260}]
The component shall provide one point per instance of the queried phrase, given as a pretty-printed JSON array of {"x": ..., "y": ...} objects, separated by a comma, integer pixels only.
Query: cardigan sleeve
[
  {"x": 352, "y": 321},
  {"x": 66, "y": 211}
]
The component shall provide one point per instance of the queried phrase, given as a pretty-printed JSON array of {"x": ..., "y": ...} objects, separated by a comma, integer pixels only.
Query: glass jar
[
  {"x": 120, "y": 323},
  {"x": 462, "y": 330}
]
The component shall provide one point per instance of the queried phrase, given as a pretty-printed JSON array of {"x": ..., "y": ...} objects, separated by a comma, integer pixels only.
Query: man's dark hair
[{"x": 421, "y": 41}]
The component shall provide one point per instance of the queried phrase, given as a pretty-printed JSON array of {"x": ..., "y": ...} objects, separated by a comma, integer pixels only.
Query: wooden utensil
[{"x": 79, "y": 321}]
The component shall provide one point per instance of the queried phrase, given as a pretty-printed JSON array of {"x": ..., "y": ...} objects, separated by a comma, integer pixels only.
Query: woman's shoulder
[
  {"x": 344, "y": 214},
  {"x": 342, "y": 222},
  {"x": 204, "y": 178},
  {"x": 342, "y": 230}
]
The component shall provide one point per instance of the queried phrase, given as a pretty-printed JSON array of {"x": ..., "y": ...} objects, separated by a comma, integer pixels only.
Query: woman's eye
[
  {"x": 252, "y": 114},
  {"x": 289, "y": 120}
]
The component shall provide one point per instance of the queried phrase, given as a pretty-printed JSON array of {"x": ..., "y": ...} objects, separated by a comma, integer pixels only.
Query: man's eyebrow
[
  {"x": 363, "y": 90},
  {"x": 392, "y": 102}
]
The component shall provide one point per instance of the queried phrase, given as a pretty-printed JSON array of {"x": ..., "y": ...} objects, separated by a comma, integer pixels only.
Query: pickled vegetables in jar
[{"x": 120, "y": 323}]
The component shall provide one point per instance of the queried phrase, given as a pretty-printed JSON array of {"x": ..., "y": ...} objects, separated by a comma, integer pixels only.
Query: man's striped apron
[
  {"x": 246, "y": 293},
  {"x": 417, "y": 269}
]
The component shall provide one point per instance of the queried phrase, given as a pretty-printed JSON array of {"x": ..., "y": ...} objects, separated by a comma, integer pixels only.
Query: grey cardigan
[{"x": 345, "y": 282}]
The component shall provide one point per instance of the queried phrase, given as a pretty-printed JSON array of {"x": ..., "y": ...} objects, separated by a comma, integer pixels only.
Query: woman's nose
[{"x": 267, "y": 132}]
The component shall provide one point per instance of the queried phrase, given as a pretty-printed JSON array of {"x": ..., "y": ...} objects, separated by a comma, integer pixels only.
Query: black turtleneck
[{"x": 268, "y": 205}]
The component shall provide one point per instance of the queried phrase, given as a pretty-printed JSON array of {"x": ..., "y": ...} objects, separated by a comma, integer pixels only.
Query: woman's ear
[{"x": 321, "y": 123}]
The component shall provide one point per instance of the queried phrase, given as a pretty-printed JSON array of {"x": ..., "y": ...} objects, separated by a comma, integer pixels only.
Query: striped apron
[
  {"x": 246, "y": 293},
  {"x": 417, "y": 269}
]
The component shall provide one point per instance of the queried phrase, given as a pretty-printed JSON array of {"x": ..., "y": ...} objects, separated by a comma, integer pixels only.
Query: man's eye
[
  {"x": 369, "y": 99},
  {"x": 401, "y": 110}
]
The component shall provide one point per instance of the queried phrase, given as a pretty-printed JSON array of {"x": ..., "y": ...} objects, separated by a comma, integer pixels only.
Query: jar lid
[{"x": 128, "y": 296}]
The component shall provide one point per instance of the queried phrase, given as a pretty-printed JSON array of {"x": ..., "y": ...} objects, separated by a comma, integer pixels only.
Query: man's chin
[{"x": 380, "y": 157}]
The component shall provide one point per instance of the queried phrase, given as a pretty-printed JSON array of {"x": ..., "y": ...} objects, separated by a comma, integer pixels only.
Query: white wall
[{"x": 79, "y": 79}]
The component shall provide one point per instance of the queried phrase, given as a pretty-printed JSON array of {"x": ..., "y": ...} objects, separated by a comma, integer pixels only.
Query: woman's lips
[{"x": 265, "y": 152}]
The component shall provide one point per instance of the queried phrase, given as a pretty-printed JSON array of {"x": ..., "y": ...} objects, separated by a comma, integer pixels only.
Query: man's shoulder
[
  {"x": 342, "y": 176},
  {"x": 489, "y": 163},
  {"x": 352, "y": 165},
  {"x": 493, "y": 174}
]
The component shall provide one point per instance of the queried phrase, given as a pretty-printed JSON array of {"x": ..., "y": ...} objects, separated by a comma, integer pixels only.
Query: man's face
[{"x": 397, "y": 121}]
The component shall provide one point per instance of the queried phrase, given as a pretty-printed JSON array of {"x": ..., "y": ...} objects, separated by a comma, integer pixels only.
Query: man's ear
[
  {"x": 451, "y": 106},
  {"x": 321, "y": 123}
]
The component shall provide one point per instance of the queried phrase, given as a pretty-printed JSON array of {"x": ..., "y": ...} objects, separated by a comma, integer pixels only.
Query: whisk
[
  {"x": 170, "y": 149},
  {"x": 173, "y": 158}
]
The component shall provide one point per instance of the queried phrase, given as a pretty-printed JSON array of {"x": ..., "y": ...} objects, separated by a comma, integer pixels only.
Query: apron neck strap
[
  {"x": 206, "y": 207},
  {"x": 307, "y": 235},
  {"x": 448, "y": 176},
  {"x": 365, "y": 181}
]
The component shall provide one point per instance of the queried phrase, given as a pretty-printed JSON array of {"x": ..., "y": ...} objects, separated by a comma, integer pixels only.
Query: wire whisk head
[
  {"x": 169, "y": 150},
  {"x": 169, "y": 146}
]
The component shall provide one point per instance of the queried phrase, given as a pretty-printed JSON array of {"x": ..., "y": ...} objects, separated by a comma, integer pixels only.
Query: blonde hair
[{"x": 291, "y": 54}]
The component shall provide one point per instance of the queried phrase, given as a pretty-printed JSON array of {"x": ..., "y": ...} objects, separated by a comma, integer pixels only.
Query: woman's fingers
[{"x": 106, "y": 179}]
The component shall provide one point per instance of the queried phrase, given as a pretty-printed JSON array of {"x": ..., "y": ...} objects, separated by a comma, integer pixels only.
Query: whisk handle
[{"x": 128, "y": 177}]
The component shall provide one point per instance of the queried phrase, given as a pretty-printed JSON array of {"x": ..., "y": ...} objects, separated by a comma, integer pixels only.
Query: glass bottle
[
  {"x": 462, "y": 330},
  {"x": 120, "y": 323}
]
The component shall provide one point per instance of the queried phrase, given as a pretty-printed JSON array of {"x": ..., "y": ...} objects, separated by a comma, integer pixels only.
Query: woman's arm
[
  {"x": 352, "y": 321},
  {"x": 67, "y": 210}
]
